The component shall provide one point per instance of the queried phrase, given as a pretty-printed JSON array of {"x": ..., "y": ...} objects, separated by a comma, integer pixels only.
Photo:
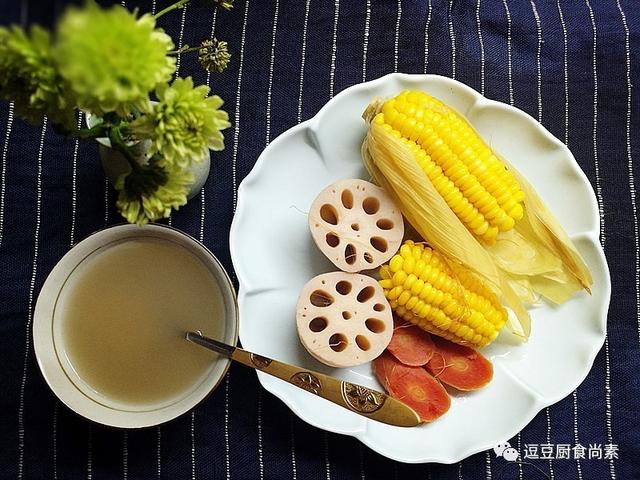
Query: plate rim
[{"x": 312, "y": 124}]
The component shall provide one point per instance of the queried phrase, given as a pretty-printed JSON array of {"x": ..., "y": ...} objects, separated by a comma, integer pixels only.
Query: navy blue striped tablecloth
[{"x": 573, "y": 64}]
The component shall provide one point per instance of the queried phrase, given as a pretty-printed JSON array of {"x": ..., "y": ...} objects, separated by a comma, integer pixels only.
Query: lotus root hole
[
  {"x": 318, "y": 324},
  {"x": 355, "y": 227},
  {"x": 320, "y": 298},
  {"x": 343, "y": 287},
  {"x": 384, "y": 224},
  {"x": 329, "y": 214},
  {"x": 379, "y": 244},
  {"x": 366, "y": 294},
  {"x": 371, "y": 205},
  {"x": 332, "y": 240},
  {"x": 347, "y": 199},
  {"x": 350, "y": 254},
  {"x": 346, "y": 315},
  {"x": 368, "y": 258},
  {"x": 363, "y": 342},
  {"x": 374, "y": 325},
  {"x": 338, "y": 342},
  {"x": 378, "y": 307}
]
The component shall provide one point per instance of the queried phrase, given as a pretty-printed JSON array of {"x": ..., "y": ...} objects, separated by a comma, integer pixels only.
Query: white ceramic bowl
[
  {"x": 56, "y": 368},
  {"x": 274, "y": 256}
]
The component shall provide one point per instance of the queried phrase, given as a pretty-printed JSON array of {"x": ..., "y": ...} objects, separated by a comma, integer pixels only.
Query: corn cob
[
  {"x": 441, "y": 297},
  {"x": 475, "y": 184}
]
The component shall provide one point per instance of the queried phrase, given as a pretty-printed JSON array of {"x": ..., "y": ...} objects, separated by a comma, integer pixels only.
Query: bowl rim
[{"x": 43, "y": 335}]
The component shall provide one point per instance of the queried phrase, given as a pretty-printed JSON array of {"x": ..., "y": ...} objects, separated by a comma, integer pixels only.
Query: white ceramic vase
[{"x": 114, "y": 163}]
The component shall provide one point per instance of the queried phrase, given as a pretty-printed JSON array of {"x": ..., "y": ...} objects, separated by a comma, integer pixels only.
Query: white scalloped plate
[{"x": 274, "y": 256}]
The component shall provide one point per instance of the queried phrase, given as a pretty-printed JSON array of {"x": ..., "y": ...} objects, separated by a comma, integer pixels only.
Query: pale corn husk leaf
[
  {"x": 517, "y": 255},
  {"x": 393, "y": 166},
  {"x": 551, "y": 234}
]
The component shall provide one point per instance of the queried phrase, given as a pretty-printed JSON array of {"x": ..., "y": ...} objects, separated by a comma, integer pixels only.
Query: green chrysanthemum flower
[
  {"x": 184, "y": 124},
  {"x": 29, "y": 77},
  {"x": 111, "y": 59},
  {"x": 151, "y": 192}
]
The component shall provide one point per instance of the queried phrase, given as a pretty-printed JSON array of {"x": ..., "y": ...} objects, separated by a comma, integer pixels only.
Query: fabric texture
[{"x": 573, "y": 64}]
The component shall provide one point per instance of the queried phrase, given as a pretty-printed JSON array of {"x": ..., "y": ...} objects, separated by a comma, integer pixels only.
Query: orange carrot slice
[
  {"x": 413, "y": 386},
  {"x": 461, "y": 367},
  {"x": 410, "y": 344}
]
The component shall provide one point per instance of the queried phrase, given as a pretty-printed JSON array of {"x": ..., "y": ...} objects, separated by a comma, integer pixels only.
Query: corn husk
[{"x": 535, "y": 258}]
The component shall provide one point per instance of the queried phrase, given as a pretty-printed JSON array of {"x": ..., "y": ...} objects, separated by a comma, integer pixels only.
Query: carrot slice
[
  {"x": 410, "y": 344},
  {"x": 413, "y": 386},
  {"x": 461, "y": 367}
]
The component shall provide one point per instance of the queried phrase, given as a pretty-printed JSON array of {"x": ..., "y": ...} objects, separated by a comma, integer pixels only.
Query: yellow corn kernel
[
  {"x": 442, "y": 297},
  {"x": 478, "y": 188}
]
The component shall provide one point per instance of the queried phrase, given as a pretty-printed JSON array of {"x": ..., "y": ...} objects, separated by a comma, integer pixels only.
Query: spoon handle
[{"x": 357, "y": 398}]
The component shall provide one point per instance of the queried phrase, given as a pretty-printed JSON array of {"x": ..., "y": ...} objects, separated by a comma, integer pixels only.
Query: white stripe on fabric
[
  {"x": 5, "y": 151},
  {"x": 272, "y": 62},
  {"x": 183, "y": 19},
  {"x": 632, "y": 182},
  {"x": 607, "y": 373},
  {"x": 74, "y": 184},
  {"x": 596, "y": 164},
  {"x": 227, "y": 457},
  {"x": 260, "y": 447},
  {"x": 294, "y": 470},
  {"x": 55, "y": 440},
  {"x": 538, "y": 69},
  {"x": 460, "y": 470},
  {"x": 159, "y": 453},
  {"x": 327, "y": 463},
  {"x": 32, "y": 286},
  {"x": 236, "y": 133},
  {"x": 576, "y": 439},
  {"x": 520, "y": 472},
  {"x": 426, "y": 37},
  {"x": 548, "y": 417},
  {"x": 193, "y": 445},
  {"x": 509, "y": 67},
  {"x": 211, "y": 37},
  {"x": 303, "y": 58},
  {"x": 361, "y": 458},
  {"x": 365, "y": 41},
  {"x": 334, "y": 47},
  {"x": 565, "y": 55},
  {"x": 607, "y": 400},
  {"x": 153, "y": 7},
  {"x": 106, "y": 200},
  {"x": 481, "y": 41},
  {"x": 125, "y": 455},
  {"x": 202, "y": 214},
  {"x": 452, "y": 35},
  {"x": 396, "y": 43},
  {"x": 90, "y": 454},
  {"x": 488, "y": 465}
]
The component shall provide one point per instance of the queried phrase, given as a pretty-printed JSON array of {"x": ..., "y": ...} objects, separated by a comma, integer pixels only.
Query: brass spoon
[{"x": 361, "y": 400}]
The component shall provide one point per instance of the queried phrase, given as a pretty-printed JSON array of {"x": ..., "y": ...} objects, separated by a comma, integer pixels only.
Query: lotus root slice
[
  {"x": 343, "y": 319},
  {"x": 356, "y": 224}
]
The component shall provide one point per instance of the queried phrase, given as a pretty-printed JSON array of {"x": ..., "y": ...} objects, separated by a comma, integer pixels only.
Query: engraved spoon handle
[{"x": 357, "y": 398}]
